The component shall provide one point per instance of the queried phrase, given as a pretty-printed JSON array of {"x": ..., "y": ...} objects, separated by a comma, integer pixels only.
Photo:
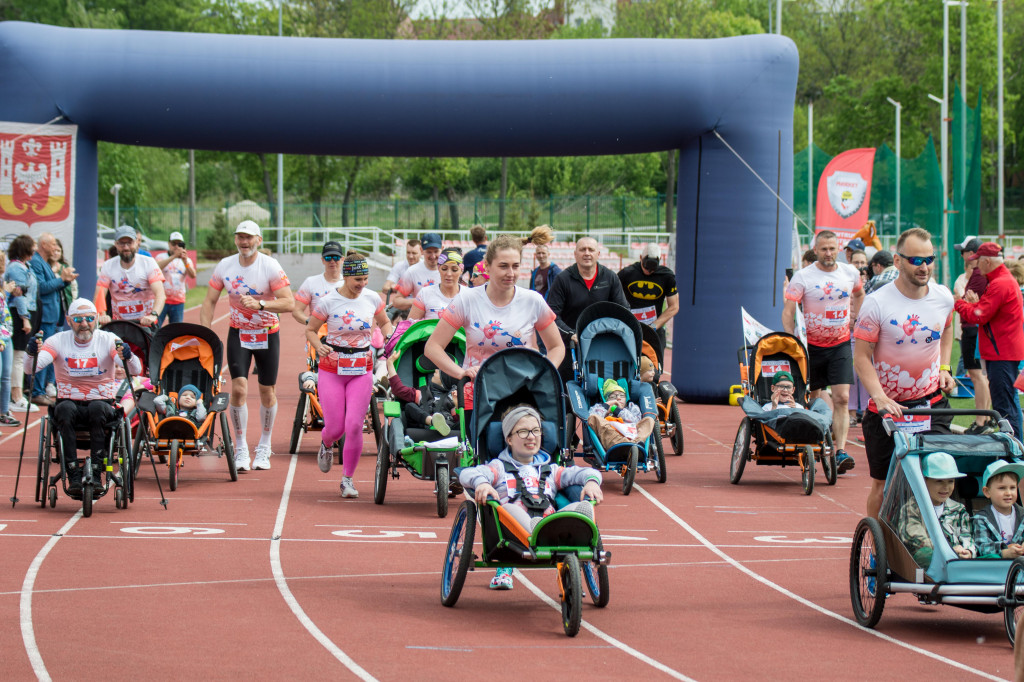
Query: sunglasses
[
  {"x": 332, "y": 258},
  {"x": 79, "y": 319},
  {"x": 917, "y": 261}
]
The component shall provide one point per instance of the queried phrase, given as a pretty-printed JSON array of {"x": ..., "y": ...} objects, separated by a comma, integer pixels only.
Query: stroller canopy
[
  {"x": 777, "y": 352},
  {"x": 184, "y": 341},
  {"x": 137, "y": 337},
  {"x": 611, "y": 341},
  {"x": 413, "y": 367}
]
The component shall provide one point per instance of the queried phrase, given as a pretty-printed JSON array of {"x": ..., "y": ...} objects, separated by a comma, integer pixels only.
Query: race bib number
[
  {"x": 83, "y": 367},
  {"x": 836, "y": 315},
  {"x": 914, "y": 423},
  {"x": 349, "y": 365},
  {"x": 253, "y": 340},
  {"x": 646, "y": 315},
  {"x": 770, "y": 367},
  {"x": 129, "y": 310}
]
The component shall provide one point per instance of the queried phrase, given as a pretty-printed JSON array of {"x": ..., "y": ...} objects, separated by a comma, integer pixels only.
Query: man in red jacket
[{"x": 1000, "y": 318}]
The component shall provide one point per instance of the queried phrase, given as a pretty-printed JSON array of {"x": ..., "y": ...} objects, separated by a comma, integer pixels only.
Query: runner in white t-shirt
[
  {"x": 431, "y": 301},
  {"x": 413, "y": 253},
  {"x": 315, "y": 287},
  {"x": 258, "y": 291},
  {"x": 345, "y": 376},
  {"x": 135, "y": 283},
  {"x": 831, "y": 294},
  {"x": 904, "y": 341},
  {"x": 420, "y": 275}
]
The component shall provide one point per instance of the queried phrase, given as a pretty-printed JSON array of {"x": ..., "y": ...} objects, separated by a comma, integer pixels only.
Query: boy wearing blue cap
[
  {"x": 939, "y": 470},
  {"x": 189, "y": 405},
  {"x": 999, "y": 527}
]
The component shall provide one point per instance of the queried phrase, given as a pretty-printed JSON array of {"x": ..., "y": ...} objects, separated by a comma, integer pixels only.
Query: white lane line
[
  {"x": 19, "y": 432},
  {"x": 289, "y": 598},
  {"x": 28, "y": 635},
  {"x": 802, "y": 600},
  {"x": 622, "y": 646}
]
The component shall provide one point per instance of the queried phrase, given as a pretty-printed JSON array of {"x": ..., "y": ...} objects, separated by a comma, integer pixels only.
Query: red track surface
[{"x": 708, "y": 580}]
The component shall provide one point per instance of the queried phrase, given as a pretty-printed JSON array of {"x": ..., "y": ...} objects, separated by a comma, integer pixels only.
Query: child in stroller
[
  {"x": 433, "y": 406},
  {"x": 616, "y": 421},
  {"x": 188, "y": 405},
  {"x": 939, "y": 471}
]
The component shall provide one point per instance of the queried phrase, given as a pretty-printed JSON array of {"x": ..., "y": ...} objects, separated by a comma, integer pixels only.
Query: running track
[{"x": 277, "y": 577}]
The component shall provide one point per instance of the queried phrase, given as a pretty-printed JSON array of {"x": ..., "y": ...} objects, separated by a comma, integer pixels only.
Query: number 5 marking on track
[
  {"x": 823, "y": 540},
  {"x": 384, "y": 534}
]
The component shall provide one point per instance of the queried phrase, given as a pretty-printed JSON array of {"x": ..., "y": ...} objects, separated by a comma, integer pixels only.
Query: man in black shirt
[{"x": 650, "y": 288}]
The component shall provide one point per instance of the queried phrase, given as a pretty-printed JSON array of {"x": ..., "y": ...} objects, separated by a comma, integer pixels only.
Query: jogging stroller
[{"x": 668, "y": 404}]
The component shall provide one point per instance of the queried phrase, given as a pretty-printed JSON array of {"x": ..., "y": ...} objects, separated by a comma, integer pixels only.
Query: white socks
[
  {"x": 267, "y": 416},
  {"x": 239, "y": 420}
]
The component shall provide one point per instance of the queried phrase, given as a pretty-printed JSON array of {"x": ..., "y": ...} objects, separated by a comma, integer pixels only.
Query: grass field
[{"x": 963, "y": 403}]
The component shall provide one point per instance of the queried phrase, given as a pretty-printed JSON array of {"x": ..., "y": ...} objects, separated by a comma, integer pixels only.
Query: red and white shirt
[
  {"x": 131, "y": 296},
  {"x": 906, "y": 333},
  {"x": 432, "y": 301},
  {"x": 490, "y": 328},
  {"x": 313, "y": 288},
  {"x": 415, "y": 278},
  {"x": 85, "y": 372},
  {"x": 825, "y": 297},
  {"x": 349, "y": 325},
  {"x": 259, "y": 280},
  {"x": 174, "y": 279}
]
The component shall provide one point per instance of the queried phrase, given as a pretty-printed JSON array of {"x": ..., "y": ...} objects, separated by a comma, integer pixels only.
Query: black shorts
[
  {"x": 830, "y": 366},
  {"x": 879, "y": 445},
  {"x": 969, "y": 347},
  {"x": 239, "y": 359}
]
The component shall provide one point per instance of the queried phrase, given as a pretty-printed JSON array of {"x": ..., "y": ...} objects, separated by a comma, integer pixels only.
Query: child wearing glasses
[
  {"x": 783, "y": 388},
  {"x": 616, "y": 421}
]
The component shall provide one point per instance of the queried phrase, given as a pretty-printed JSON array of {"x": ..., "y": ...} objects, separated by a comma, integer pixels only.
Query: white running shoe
[
  {"x": 21, "y": 405},
  {"x": 347, "y": 489},
  {"x": 262, "y": 460},
  {"x": 242, "y": 459},
  {"x": 325, "y": 457},
  {"x": 51, "y": 390}
]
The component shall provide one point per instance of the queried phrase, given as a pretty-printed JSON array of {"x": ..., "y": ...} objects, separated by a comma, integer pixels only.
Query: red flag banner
[{"x": 844, "y": 193}]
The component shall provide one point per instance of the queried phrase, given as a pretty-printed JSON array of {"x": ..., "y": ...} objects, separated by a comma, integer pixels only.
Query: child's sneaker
[
  {"x": 347, "y": 489},
  {"x": 325, "y": 457},
  {"x": 844, "y": 462},
  {"x": 242, "y": 461},
  {"x": 440, "y": 424},
  {"x": 502, "y": 579}
]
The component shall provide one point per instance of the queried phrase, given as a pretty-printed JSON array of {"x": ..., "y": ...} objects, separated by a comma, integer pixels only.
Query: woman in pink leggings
[{"x": 345, "y": 378}]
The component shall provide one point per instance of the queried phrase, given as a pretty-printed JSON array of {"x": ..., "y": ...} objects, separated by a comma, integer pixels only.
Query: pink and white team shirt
[
  {"x": 174, "y": 280},
  {"x": 490, "y": 328},
  {"x": 349, "y": 325},
  {"x": 397, "y": 270},
  {"x": 131, "y": 296},
  {"x": 906, "y": 334},
  {"x": 259, "y": 280},
  {"x": 432, "y": 301},
  {"x": 415, "y": 278},
  {"x": 825, "y": 297},
  {"x": 313, "y": 288},
  {"x": 85, "y": 372}
]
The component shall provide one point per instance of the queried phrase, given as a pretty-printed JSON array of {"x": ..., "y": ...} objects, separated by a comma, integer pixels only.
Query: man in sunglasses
[
  {"x": 904, "y": 338},
  {"x": 1000, "y": 318},
  {"x": 315, "y": 287},
  {"x": 830, "y": 294},
  {"x": 84, "y": 360}
]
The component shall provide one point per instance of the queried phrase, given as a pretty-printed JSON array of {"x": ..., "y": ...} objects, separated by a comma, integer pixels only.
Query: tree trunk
[
  {"x": 453, "y": 207},
  {"x": 349, "y": 187},
  {"x": 437, "y": 215},
  {"x": 502, "y": 194},
  {"x": 670, "y": 191}
]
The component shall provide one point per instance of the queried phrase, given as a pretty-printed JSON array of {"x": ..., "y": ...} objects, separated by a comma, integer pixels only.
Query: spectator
[
  {"x": 176, "y": 266},
  {"x": 859, "y": 260},
  {"x": 808, "y": 258},
  {"x": 6, "y": 351},
  {"x": 882, "y": 271},
  {"x": 479, "y": 236},
  {"x": 413, "y": 253},
  {"x": 650, "y": 289},
  {"x": 59, "y": 264},
  {"x": 23, "y": 313},
  {"x": 973, "y": 280},
  {"x": 1000, "y": 317},
  {"x": 139, "y": 249},
  {"x": 544, "y": 274},
  {"x": 852, "y": 246},
  {"x": 50, "y": 288}
]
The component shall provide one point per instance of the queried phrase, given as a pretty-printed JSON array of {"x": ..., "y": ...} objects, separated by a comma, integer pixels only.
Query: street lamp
[
  {"x": 899, "y": 160},
  {"x": 280, "y": 157},
  {"x": 115, "y": 190},
  {"x": 945, "y": 199}
]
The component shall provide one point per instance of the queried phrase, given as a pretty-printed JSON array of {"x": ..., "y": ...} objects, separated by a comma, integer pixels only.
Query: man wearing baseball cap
[
  {"x": 999, "y": 314},
  {"x": 423, "y": 274},
  {"x": 258, "y": 291},
  {"x": 134, "y": 281},
  {"x": 852, "y": 247},
  {"x": 972, "y": 280},
  {"x": 315, "y": 287},
  {"x": 176, "y": 266}
]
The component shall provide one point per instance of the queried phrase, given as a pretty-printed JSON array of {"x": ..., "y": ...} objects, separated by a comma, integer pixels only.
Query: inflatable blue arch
[{"x": 454, "y": 98}]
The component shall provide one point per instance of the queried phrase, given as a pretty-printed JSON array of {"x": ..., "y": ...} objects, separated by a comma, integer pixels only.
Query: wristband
[{"x": 944, "y": 368}]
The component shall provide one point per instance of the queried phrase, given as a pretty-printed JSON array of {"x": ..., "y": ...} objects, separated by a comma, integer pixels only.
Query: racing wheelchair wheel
[
  {"x": 299, "y": 423},
  {"x": 868, "y": 573},
  {"x": 630, "y": 474},
  {"x": 596, "y": 576},
  {"x": 1013, "y": 597},
  {"x": 375, "y": 420},
  {"x": 572, "y": 594},
  {"x": 441, "y": 484},
  {"x": 807, "y": 474},
  {"x": 228, "y": 447},
  {"x": 380, "y": 479},
  {"x": 659, "y": 454},
  {"x": 677, "y": 436},
  {"x": 740, "y": 451},
  {"x": 172, "y": 465},
  {"x": 459, "y": 555},
  {"x": 828, "y": 462}
]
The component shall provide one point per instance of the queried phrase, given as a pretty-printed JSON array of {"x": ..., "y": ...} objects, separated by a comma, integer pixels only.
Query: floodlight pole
[
  {"x": 280, "y": 157},
  {"x": 778, "y": 14},
  {"x": 945, "y": 143},
  {"x": 999, "y": 67},
  {"x": 810, "y": 166},
  {"x": 945, "y": 201},
  {"x": 899, "y": 160},
  {"x": 115, "y": 190}
]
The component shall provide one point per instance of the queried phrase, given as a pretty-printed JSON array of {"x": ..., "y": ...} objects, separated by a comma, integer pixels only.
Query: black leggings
[{"x": 239, "y": 359}]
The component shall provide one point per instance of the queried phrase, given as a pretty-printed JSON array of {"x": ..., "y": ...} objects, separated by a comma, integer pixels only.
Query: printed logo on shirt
[
  {"x": 830, "y": 292},
  {"x": 494, "y": 333},
  {"x": 913, "y": 330}
]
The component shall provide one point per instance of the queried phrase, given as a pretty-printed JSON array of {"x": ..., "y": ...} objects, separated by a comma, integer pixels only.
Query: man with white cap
[
  {"x": 176, "y": 266},
  {"x": 84, "y": 360},
  {"x": 258, "y": 291},
  {"x": 650, "y": 288},
  {"x": 134, "y": 281}
]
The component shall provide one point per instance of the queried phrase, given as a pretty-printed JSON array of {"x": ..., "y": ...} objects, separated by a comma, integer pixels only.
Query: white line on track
[
  {"x": 802, "y": 600},
  {"x": 289, "y": 598},
  {"x": 28, "y": 635},
  {"x": 622, "y": 646}
]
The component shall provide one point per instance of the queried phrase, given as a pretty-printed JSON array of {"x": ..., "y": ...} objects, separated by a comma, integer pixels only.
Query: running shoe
[
  {"x": 242, "y": 459},
  {"x": 8, "y": 420},
  {"x": 325, "y": 457},
  {"x": 262, "y": 460},
  {"x": 502, "y": 579},
  {"x": 871, "y": 581},
  {"x": 51, "y": 390},
  {"x": 22, "y": 405},
  {"x": 440, "y": 424},
  {"x": 844, "y": 462},
  {"x": 347, "y": 489}
]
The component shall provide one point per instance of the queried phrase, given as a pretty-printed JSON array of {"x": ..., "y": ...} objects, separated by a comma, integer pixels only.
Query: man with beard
[
  {"x": 258, "y": 291},
  {"x": 830, "y": 294},
  {"x": 904, "y": 340},
  {"x": 420, "y": 275},
  {"x": 84, "y": 360},
  {"x": 135, "y": 283},
  {"x": 650, "y": 288}
]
